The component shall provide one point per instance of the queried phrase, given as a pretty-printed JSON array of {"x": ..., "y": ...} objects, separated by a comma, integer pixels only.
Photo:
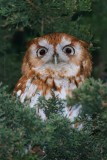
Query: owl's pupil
[
  {"x": 42, "y": 52},
  {"x": 68, "y": 50}
]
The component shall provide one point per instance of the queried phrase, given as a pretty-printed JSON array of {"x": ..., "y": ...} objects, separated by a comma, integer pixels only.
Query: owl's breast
[{"x": 31, "y": 89}]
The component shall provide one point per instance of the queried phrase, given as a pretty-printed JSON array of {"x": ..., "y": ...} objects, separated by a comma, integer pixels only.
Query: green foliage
[
  {"x": 62, "y": 142},
  {"x": 21, "y": 129},
  {"x": 67, "y": 143},
  {"x": 44, "y": 16},
  {"x": 10, "y": 72},
  {"x": 92, "y": 95},
  {"x": 52, "y": 105}
]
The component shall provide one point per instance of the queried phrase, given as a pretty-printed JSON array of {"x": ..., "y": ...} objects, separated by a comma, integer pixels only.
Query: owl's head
[{"x": 57, "y": 54}]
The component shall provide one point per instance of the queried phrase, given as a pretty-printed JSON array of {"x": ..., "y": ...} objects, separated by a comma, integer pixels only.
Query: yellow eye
[
  {"x": 41, "y": 52},
  {"x": 69, "y": 50}
]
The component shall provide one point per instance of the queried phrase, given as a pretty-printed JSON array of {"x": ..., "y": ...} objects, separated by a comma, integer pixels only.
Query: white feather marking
[
  {"x": 43, "y": 77},
  {"x": 65, "y": 42},
  {"x": 41, "y": 113},
  {"x": 72, "y": 86},
  {"x": 78, "y": 50},
  {"x": 80, "y": 126},
  {"x": 57, "y": 93},
  {"x": 28, "y": 83},
  {"x": 31, "y": 91},
  {"x": 19, "y": 93},
  {"x": 34, "y": 99},
  {"x": 63, "y": 94},
  {"x": 33, "y": 49},
  {"x": 58, "y": 82},
  {"x": 23, "y": 96},
  {"x": 49, "y": 81},
  {"x": 47, "y": 96},
  {"x": 73, "y": 69},
  {"x": 74, "y": 112},
  {"x": 65, "y": 111},
  {"x": 18, "y": 84},
  {"x": 65, "y": 82},
  {"x": 82, "y": 78},
  {"x": 44, "y": 43}
]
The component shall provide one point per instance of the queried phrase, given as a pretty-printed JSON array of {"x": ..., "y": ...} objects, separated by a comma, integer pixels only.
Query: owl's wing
[{"x": 27, "y": 91}]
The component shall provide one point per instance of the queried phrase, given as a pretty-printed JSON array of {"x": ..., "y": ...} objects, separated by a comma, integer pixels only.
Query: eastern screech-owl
[{"x": 55, "y": 62}]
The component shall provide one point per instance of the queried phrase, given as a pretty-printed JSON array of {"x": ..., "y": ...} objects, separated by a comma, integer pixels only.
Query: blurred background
[{"x": 22, "y": 20}]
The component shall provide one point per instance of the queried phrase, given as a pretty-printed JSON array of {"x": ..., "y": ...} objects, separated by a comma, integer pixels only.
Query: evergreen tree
[{"x": 21, "y": 129}]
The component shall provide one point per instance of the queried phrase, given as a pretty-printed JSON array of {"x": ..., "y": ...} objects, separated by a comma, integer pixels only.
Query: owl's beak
[{"x": 55, "y": 59}]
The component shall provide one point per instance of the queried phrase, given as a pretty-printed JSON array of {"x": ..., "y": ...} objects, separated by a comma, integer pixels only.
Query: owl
[{"x": 55, "y": 63}]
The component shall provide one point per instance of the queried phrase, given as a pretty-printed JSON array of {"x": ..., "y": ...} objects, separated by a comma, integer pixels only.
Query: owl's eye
[
  {"x": 41, "y": 52},
  {"x": 69, "y": 50}
]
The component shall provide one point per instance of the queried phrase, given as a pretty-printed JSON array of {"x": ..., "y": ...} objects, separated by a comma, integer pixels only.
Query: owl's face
[{"x": 57, "y": 54}]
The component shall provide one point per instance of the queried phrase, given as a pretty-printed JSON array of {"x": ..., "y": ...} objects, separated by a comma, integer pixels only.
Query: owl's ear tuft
[
  {"x": 30, "y": 42},
  {"x": 25, "y": 65},
  {"x": 87, "y": 65},
  {"x": 85, "y": 44}
]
